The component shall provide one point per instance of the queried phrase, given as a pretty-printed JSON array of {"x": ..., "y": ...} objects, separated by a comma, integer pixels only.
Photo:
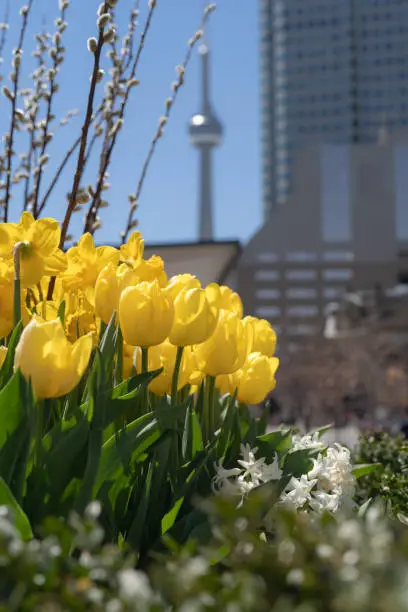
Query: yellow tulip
[
  {"x": 264, "y": 337},
  {"x": 253, "y": 381},
  {"x": 3, "y": 354},
  {"x": 40, "y": 254},
  {"x": 133, "y": 250},
  {"x": 45, "y": 356},
  {"x": 181, "y": 282},
  {"x": 194, "y": 318},
  {"x": 164, "y": 356},
  {"x": 129, "y": 360},
  {"x": 226, "y": 349},
  {"x": 148, "y": 270},
  {"x": 85, "y": 262},
  {"x": 224, "y": 298},
  {"x": 146, "y": 314},
  {"x": 109, "y": 285}
]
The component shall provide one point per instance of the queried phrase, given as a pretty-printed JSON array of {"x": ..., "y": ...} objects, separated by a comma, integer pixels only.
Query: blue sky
[{"x": 168, "y": 206}]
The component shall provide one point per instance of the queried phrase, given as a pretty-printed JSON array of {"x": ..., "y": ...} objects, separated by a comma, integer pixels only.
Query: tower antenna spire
[{"x": 205, "y": 134}]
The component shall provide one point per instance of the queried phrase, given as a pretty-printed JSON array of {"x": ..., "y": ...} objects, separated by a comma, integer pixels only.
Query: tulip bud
[
  {"x": 226, "y": 349},
  {"x": 109, "y": 284},
  {"x": 146, "y": 314},
  {"x": 194, "y": 318},
  {"x": 263, "y": 336},
  {"x": 45, "y": 356},
  {"x": 253, "y": 381},
  {"x": 224, "y": 298}
]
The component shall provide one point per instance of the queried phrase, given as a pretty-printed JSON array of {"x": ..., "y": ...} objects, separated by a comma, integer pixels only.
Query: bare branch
[
  {"x": 111, "y": 132},
  {"x": 181, "y": 70},
  {"x": 25, "y": 11},
  {"x": 57, "y": 58},
  {"x": 85, "y": 128}
]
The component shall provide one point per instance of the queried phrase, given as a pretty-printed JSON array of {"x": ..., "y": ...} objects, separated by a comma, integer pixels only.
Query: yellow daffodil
[
  {"x": 133, "y": 250},
  {"x": 146, "y": 314},
  {"x": 39, "y": 250},
  {"x": 85, "y": 262},
  {"x": 80, "y": 318},
  {"x": 45, "y": 356},
  {"x": 226, "y": 349}
]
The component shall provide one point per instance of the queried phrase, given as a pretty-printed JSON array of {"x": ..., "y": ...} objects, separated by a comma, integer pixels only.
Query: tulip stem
[
  {"x": 17, "y": 284},
  {"x": 211, "y": 408},
  {"x": 145, "y": 369},
  {"x": 176, "y": 372}
]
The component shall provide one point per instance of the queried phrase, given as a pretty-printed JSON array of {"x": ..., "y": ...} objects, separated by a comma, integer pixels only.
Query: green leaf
[
  {"x": 364, "y": 507},
  {"x": 20, "y": 520},
  {"x": 133, "y": 440},
  {"x": 61, "y": 312},
  {"x": 322, "y": 430},
  {"x": 365, "y": 468},
  {"x": 139, "y": 526},
  {"x": 11, "y": 407},
  {"x": 6, "y": 371},
  {"x": 169, "y": 519},
  {"x": 279, "y": 439},
  {"x": 192, "y": 441},
  {"x": 299, "y": 462}
]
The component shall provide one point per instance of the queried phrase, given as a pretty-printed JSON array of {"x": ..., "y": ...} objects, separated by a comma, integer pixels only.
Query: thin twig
[
  {"x": 57, "y": 176},
  {"x": 84, "y": 135},
  {"x": 64, "y": 162},
  {"x": 57, "y": 58},
  {"x": 3, "y": 37},
  {"x": 163, "y": 120},
  {"x": 25, "y": 14},
  {"x": 106, "y": 155}
]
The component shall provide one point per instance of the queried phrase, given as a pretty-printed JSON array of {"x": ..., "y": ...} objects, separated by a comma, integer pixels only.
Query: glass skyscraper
[{"x": 332, "y": 72}]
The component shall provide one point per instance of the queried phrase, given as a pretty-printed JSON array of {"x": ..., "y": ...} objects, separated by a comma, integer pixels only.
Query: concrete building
[
  {"x": 331, "y": 72},
  {"x": 344, "y": 227}
]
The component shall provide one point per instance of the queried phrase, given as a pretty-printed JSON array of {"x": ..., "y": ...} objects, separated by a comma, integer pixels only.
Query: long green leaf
[
  {"x": 365, "y": 468},
  {"x": 20, "y": 520},
  {"x": 6, "y": 371}
]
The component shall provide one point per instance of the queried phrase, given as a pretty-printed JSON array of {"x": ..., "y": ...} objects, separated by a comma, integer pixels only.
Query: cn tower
[{"x": 205, "y": 133}]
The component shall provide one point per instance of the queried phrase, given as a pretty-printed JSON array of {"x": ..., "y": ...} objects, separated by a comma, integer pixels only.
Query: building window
[
  {"x": 340, "y": 274},
  {"x": 267, "y": 311},
  {"x": 332, "y": 293},
  {"x": 301, "y": 275},
  {"x": 303, "y": 311},
  {"x": 268, "y": 257},
  {"x": 267, "y": 294},
  {"x": 401, "y": 191},
  {"x": 301, "y": 330},
  {"x": 335, "y": 193},
  {"x": 338, "y": 256},
  {"x": 266, "y": 275},
  {"x": 301, "y": 256},
  {"x": 301, "y": 293}
]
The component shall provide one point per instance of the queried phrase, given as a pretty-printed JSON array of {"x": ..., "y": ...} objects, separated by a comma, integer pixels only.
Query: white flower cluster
[
  {"x": 308, "y": 441},
  {"x": 252, "y": 473},
  {"x": 325, "y": 487}
]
